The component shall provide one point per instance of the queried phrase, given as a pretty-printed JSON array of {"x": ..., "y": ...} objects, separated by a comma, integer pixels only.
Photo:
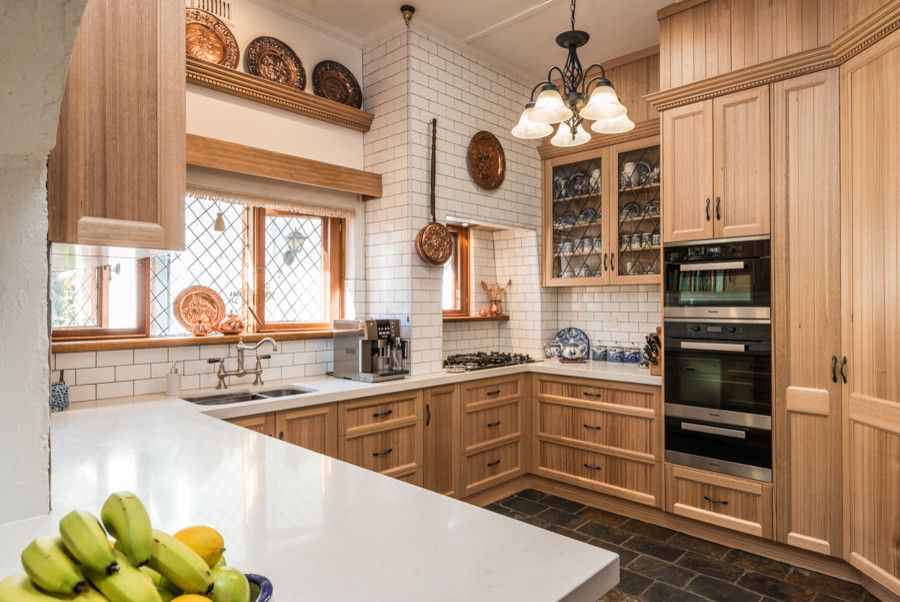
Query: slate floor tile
[
  {"x": 826, "y": 585},
  {"x": 604, "y": 532},
  {"x": 698, "y": 546},
  {"x": 657, "y": 549},
  {"x": 523, "y": 505},
  {"x": 531, "y": 494},
  {"x": 659, "y": 570},
  {"x": 758, "y": 564},
  {"x": 617, "y": 595},
  {"x": 561, "y": 503},
  {"x": 604, "y": 517},
  {"x": 647, "y": 529},
  {"x": 562, "y": 518},
  {"x": 719, "y": 590},
  {"x": 626, "y": 557},
  {"x": 536, "y": 521},
  {"x": 660, "y": 592},
  {"x": 776, "y": 588},
  {"x": 632, "y": 583},
  {"x": 495, "y": 507},
  {"x": 569, "y": 533},
  {"x": 711, "y": 567}
]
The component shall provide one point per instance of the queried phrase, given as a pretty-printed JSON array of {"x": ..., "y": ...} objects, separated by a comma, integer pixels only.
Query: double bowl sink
[{"x": 221, "y": 399}]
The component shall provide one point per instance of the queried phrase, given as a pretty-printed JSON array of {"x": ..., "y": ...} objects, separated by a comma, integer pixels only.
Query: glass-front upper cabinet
[
  {"x": 636, "y": 236},
  {"x": 575, "y": 214},
  {"x": 602, "y": 215}
]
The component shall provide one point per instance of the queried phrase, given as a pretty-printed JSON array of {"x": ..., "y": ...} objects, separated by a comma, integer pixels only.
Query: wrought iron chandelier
[{"x": 582, "y": 97}]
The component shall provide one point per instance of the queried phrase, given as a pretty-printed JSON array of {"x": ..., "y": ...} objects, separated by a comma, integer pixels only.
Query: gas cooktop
[{"x": 480, "y": 360}]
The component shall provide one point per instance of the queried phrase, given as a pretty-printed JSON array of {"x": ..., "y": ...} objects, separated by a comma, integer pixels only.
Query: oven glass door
[
  {"x": 720, "y": 376},
  {"x": 694, "y": 440},
  {"x": 729, "y": 283}
]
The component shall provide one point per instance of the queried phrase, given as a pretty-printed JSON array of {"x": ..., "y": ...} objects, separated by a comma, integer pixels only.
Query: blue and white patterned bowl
[{"x": 258, "y": 582}]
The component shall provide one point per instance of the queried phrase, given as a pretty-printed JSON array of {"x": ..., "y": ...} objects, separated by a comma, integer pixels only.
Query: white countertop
[{"x": 319, "y": 528}]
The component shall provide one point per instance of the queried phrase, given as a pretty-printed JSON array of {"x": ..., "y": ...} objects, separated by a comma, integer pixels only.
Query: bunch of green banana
[
  {"x": 128, "y": 584},
  {"x": 48, "y": 564},
  {"x": 126, "y": 519},
  {"x": 181, "y": 565},
  {"x": 19, "y": 588},
  {"x": 86, "y": 541}
]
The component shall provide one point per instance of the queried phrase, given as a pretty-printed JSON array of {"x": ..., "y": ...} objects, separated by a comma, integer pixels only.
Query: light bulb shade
[
  {"x": 527, "y": 129},
  {"x": 549, "y": 107},
  {"x": 564, "y": 137},
  {"x": 602, "y": 104},
  {"x": 616, "y": 125}
]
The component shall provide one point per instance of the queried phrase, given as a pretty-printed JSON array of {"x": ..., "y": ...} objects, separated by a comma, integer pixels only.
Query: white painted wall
[
  {"x": 218, "y": 115},
  {"x": 35, "y": 42}
]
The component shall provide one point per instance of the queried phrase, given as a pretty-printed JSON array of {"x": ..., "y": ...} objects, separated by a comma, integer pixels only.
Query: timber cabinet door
[
  {"x": 870, "y": 186},
  {"x": 263, "y": 424},
  {"x": 441, "y": 462},
  {"x": 314, "y": 428},
  {"x": 741, "y": 161},
  {"x": 807, "y": 311},
  {"x": 687, "y": 173},
  {"x": 117, "y": 174}
]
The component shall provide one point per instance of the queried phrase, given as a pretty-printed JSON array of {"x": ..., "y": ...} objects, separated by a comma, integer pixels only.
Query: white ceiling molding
[
  {"x": 510, "y": 20},
  {"x": 285, "y": 10}
]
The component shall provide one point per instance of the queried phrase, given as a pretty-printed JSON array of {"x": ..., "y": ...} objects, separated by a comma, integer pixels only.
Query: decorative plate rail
[{"x": 250, "y": 87}]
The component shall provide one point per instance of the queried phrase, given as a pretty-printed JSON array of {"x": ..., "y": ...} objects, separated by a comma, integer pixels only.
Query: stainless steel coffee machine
[{"x": 370, "y": 350}]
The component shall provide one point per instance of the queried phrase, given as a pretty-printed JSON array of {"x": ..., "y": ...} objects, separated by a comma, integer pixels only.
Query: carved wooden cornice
[
  {"x": 859, "y": 37},
  {"x": 641, "y": 130},
  {"x": 243, "y": 85}
]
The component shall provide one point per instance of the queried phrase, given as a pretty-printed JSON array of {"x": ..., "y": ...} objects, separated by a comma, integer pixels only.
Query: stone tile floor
[{"x": 658, "y": 564}]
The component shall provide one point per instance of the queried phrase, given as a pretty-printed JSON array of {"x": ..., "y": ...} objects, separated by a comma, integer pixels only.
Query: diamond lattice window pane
[
  {"x": 211, "y": 258},
  {"x": 74, "y": 294},
  {"x": 295, "y": 270}
]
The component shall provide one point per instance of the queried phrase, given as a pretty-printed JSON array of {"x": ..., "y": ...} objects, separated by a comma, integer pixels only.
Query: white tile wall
[
  {"x": 611, "y": 313},
  {"x": 146, "y": 373}
]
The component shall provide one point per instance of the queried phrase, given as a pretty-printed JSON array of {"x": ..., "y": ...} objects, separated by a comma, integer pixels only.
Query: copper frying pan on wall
[{"x": 434, "y": 243}]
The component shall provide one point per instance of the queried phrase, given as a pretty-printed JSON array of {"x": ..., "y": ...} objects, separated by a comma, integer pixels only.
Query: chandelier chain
[{"x": 572, "y": 7}]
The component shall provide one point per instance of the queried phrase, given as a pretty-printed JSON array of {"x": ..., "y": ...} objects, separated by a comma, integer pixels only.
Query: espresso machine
[{"x": 370, "y": 350}]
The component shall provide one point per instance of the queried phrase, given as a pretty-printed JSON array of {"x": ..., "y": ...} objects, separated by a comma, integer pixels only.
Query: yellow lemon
[
  {"x": 206, "y": 541},
  {"x": 191, "y": 598}
]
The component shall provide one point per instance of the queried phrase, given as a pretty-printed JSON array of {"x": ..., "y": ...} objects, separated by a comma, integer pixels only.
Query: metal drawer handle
[
  {"x": 592, "y": 394},
  {"x": 718, "y": 209},
  {"x": 382, "y": 414},
  {"x": 707, "y": 209},
  {"x": 710, "y": 266},
  {"x": 712, "y": 501},
  {"x": 281, "y": 435},
  {"x": 493, "y": 463},
  {"x": 834, "y": 369},
  {"x": 383, "y": 452},
  {"x": 713, "y": 430},
  {"x": 593, "y": 427},
  {"x": 726, "y": 347},
  {"x": 494, "y": 392},
  {"x": 491, "y": 425},
  {"x": 844, "y": 369},
  {"x": 592, "y": 467}
]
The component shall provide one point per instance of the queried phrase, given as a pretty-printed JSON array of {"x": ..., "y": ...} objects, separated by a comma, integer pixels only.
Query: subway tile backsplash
[{"x": 106, "y": 374}]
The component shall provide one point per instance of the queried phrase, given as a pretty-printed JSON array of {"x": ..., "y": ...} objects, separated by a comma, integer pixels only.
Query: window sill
[
  {"x": 502, "y": 318},
  {"x": 156, "y": 342}
]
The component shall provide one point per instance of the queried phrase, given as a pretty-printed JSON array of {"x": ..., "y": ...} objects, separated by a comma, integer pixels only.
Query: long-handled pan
[{"x": 434, "y": 243}]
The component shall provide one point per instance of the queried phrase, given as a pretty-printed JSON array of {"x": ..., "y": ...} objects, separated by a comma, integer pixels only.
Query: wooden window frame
[
  {"x": 142, "y": 328},
  {"x": 334, "y": 250},
  {"x": 461, "y": 236}
]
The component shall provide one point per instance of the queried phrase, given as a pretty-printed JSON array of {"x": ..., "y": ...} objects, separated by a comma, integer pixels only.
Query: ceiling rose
[{"x": 581, "y": 97}]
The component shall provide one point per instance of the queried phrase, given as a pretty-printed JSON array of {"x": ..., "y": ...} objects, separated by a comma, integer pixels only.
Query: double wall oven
[{"x": 718, "y": 356}]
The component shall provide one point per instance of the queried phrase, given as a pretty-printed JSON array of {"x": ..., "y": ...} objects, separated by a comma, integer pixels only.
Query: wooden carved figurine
[{"x": 496, "y": 294}]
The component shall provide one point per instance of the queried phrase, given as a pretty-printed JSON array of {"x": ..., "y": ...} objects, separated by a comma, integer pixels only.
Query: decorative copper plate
[
  {"x": 207, "y": 38},
  {"x": 487, "y": 161},
  {"x": 272, "y": 59},
  {"x": 194, "y": 302},
  {"x": 434, "y": 243},
  {"x": 333, "y": 81}
]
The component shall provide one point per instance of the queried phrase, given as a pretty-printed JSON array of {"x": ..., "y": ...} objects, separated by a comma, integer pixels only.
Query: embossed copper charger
[
  {"x": 272, "y": 59},
  {"x": 486, "y": 160},
  {"x": 333, "y": 81},
  {"x": 208, "y": 38},
  {"x": 195, "y": 302}
]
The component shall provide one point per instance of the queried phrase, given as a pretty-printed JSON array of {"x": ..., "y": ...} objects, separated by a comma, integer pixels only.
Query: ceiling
[{"x": 517, "y": 33}]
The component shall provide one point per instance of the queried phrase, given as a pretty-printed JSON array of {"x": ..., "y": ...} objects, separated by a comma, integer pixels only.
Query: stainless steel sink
[{"x": 221, "y": 399}]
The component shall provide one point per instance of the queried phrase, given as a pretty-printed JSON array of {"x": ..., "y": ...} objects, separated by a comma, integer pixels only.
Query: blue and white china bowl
[
  {"x": 574, "y": 343},
  {"x": 552, "y": 350},
  {"x": 258, "y": 582}
]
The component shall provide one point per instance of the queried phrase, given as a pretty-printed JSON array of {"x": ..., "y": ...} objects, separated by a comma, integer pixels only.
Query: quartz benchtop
[{"x": 319, "y": 528}]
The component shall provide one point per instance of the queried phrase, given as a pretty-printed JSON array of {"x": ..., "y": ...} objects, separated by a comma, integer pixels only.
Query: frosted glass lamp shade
[
  {"x": 527, "y": 129},
  {"x": 616, "y": 125},
  {"x": 549, "y": 107},
  {"x": 603, "y": 104},
  {"x": 564, "y": 137}
]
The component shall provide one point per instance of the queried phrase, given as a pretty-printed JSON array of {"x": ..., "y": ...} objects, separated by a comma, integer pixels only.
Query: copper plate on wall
[
  {"x": 207, "y": 38},
  {"x": 333, "y": 81},
  {"x": 272, "y": 59},
  {"x": 486, "y": 160},
  {"x": 196, "y": 301}
]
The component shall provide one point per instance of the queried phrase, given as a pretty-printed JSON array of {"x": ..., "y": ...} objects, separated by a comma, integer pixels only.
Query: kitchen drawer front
[
  {"x": 392, "y": 452},
  {"x": 632, "y": 435},
  {"x": 640, "y": 396},
  {"x": 493, "y": 389},
  {"x": 484, "y": 426},
  {"x": 730, "y": 502},
  {"x": 416, "y": 478},
  {"x": 378, "y": 413},
  {"x": 629, "y": 479},
  {"x": 491, "y": 467}
]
